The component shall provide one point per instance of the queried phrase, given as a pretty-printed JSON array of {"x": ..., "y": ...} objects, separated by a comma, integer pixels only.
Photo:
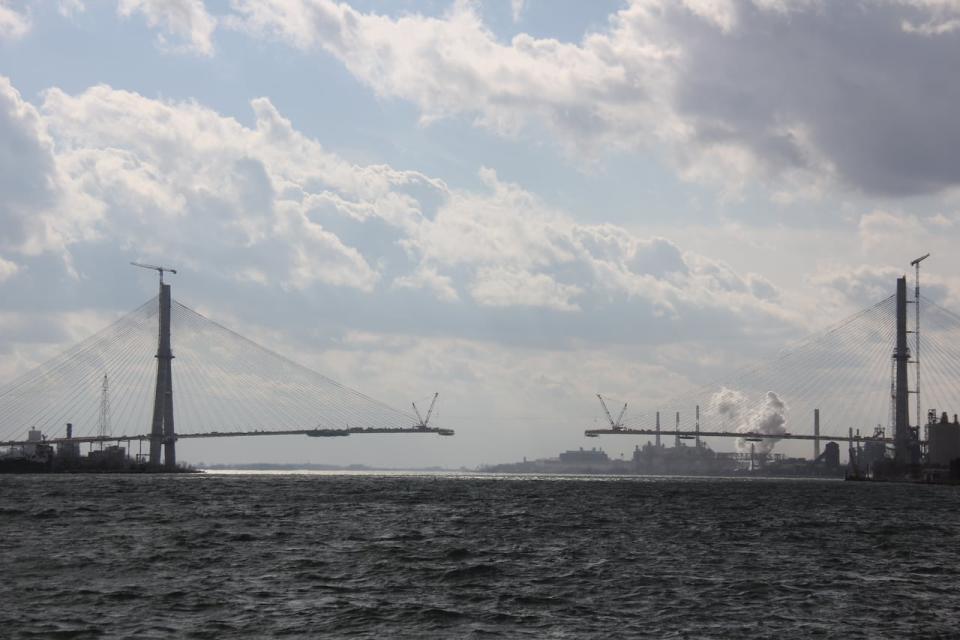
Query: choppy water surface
[{"x": 410, "y": 557}]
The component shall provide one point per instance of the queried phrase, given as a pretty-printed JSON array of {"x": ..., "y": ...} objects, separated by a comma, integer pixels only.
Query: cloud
[
  {"x": 322, "y": 257},
  {"x": 13, "y": 24},
  {"x": 657, "y": 257},
  {"x": 494, "y": 285},
  {"x": 878, "y": 228},
  {"x": 897, "y": 238},
  {"x": 500, "y": 287},
  {"x": 516, "y": 9},
  {"x": 863, "y": 286},
  {"x": 35, "y": 190},
  {"x": 429, "y": 279},
  {"x": 26, "y": 166},
  {"x": 513, "y": 249},
  {"x": 69, "y": 8},
  {"x": 454, "y": 64},
  {"x": 178, "y": 173},
  {"x": 866, "y": 285},
  {"x": 266, "y": 206},
  {"x": 716, "y": 85},
  {"x": 186, "y": 20},
  {"x": 8, "y": 269}
]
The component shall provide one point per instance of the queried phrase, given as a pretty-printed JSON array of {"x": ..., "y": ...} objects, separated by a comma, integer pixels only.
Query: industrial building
[{"x": 943, "y": 439}]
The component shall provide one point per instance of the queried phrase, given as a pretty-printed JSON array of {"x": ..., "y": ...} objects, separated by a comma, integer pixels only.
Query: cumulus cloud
[
  {"x": 866, "y": 285},
  {"x": 718, "y": 84},
  {"x": 513, "y": 249},
  {"x": 186, "y": 20},
  {"x": 178, "y": 173},
  {"x": 501, "y": 287},
  {"x": 323, "y": 257},
  {"x": 27, "y": 166},
  {"x": 862, "y": 286},
  {"x": 13, "y": 24},
  {"x": 39, "y": 210},
  {"x": 454, "y": 64},
  {"x": 264, "y": 205},
  {"x": 428, "y": 278}
]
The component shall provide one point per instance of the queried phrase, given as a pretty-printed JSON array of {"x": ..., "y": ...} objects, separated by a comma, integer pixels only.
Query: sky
[{"x": 515, "y": 203}]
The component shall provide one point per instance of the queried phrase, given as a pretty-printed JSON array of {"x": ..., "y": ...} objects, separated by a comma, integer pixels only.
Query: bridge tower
[
  {"x": 905, "y": 441},
  {"x": 161, "y": 428},
  {"x": 816, "y": 434},
  {"x": 162, "y": 431}
]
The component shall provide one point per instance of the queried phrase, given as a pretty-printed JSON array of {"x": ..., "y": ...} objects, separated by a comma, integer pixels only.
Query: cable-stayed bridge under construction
[
  {"x": 226, "y": 386},
  {"x": 857, "y": 381},
  {"x": 859, "y": 377}
]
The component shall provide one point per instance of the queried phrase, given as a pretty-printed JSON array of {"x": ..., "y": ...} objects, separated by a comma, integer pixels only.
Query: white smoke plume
[
  {"x": 728, "y": 405},
  {"x": 770, "y": 418}
]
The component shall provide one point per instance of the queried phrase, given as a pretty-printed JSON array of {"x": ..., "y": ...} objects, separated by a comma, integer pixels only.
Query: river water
[{"x": 441, "y": 556}]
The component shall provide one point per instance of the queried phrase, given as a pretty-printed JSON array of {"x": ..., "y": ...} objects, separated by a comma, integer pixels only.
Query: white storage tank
[{"x": 33, "y": 435}]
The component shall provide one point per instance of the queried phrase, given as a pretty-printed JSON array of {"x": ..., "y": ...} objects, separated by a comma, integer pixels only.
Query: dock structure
[{"x": 746, "y": 435}]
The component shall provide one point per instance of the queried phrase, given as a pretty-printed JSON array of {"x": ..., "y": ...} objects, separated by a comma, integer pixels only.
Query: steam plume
[{"x": 770, "y": 418}]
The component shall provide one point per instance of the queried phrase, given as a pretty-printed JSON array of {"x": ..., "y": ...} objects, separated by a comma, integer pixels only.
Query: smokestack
[{"x": 698, "y": 427}]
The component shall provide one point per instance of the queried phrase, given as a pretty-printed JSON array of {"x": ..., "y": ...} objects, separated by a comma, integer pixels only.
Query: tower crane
[
  {"x": 423, "y": 421},
  {"x": 616, "y": 425},
  {"x": 160, "y": 270}
]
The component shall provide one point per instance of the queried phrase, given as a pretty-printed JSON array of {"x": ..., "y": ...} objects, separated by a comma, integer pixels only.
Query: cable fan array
[
  {"x": 222, "y": 382},
  {"x": 845, "y": 371}
]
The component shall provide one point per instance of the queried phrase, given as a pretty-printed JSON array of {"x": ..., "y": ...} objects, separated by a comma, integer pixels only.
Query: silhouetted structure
[
  {"x": 906, "y": 441},
  {"x": 162, "y": 430},
  {"x": 944, "y": 443},
  {"x": 830, "y": 456}
]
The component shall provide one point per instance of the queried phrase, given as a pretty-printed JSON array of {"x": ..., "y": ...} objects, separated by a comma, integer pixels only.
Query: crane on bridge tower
[
  {"x": 916, "y": 334},
  {"x": 156, "y": 268},
  {"x": 162, "y": 432},
  {"x": 616, "y": 425},
  {"x": 423, "y": 421}
]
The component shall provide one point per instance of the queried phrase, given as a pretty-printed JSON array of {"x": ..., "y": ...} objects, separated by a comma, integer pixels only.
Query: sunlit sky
[{"x": 516, "y": 203}]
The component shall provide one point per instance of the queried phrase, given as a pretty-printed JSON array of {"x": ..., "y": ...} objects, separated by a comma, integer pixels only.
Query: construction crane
[
  {"x": 616, "y": 425},
  {"x": 160, "y": 270},
  {"x": 423, "y": 421}
]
